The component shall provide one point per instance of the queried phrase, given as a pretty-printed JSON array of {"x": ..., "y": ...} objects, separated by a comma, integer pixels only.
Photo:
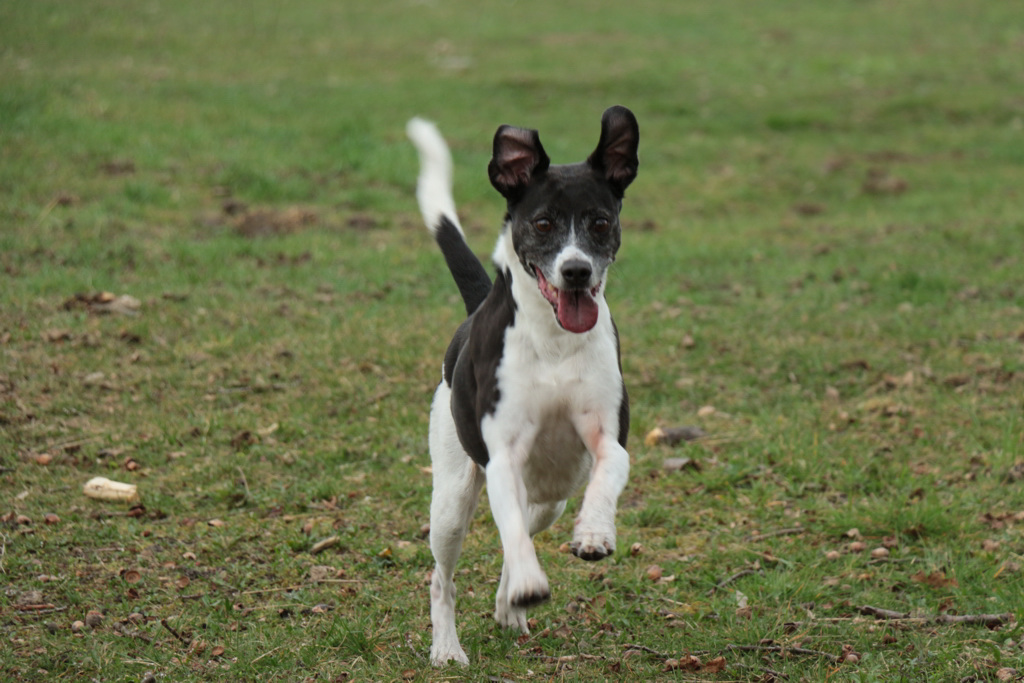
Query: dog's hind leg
[
  {"x": 451, "y": 510},
  {"x": 542, "y": 516},
  {"x": 457, "y": 484}
]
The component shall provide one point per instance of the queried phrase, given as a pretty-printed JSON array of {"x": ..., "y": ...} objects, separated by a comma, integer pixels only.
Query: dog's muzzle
[{"x": 575, "y": 305}]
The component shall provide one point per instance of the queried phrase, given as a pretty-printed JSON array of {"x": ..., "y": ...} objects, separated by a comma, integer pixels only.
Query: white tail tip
[{"x": 434, "y": 187}]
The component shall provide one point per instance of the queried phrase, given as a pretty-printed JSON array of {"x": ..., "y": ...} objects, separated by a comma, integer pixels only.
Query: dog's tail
[{"x": 434, "y": 193}]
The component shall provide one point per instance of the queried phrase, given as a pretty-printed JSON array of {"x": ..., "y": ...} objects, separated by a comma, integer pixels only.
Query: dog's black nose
[{"x": 576, "y": 273}]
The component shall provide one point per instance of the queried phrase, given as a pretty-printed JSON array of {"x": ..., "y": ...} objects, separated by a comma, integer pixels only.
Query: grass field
[{"x": 822, "y": 268}]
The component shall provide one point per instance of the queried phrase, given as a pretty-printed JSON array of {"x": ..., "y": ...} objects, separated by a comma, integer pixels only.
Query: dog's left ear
[
  {"x": 615, "y": 155},
  {"x": 518, "y": 157}
]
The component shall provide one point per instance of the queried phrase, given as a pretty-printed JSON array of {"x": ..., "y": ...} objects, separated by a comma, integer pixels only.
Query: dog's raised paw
[
  {"x": 508, "y": 616},
  {"x": 593, "y": 551},
  {"x": 591, "y": 554},
  {"x": 531, "y": 598}
]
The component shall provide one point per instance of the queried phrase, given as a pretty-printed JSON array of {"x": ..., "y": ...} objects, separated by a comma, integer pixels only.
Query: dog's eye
[
  {"x": 600, "y": 225},
  {"x": 542, "y": 225}
]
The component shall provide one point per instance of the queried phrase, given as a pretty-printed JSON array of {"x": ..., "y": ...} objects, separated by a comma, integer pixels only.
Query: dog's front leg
[
  {"x": 523, "y": 582},
  {"x": 594, "y": 537}
]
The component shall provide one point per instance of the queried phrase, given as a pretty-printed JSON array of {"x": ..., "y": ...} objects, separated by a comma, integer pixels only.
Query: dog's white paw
[
  {"x": 593, "y": 543},
  {"x": 527, "y": 588},
  {"x": 441, "y": 655},
  {"x": 508, "y": 616}
]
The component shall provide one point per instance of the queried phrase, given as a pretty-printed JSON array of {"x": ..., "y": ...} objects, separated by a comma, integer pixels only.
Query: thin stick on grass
[
  {"x": 245, "y": 484},
  {"x": 644, "y": 648},
  {"x": 561, "y": 659},
  {"x": 772, "y": 534},
  {"x": 184, "y": 641},
  {"x": 40, "y": 608},
  {"x": 266, "y": 654},
  {"x": 783, "y": 649},
  {"x": 64, "y": 445},
  {"x": 285, "y": 589},
  {"x": 989, "y": 620},
  {"x": 883, "y": 613},
  {"x": 982, "y": 619},
  {"x": 725, "y": 582}
]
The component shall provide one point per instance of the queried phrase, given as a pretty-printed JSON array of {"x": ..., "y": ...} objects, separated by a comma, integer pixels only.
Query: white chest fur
[{"x": 555, "y": 387}]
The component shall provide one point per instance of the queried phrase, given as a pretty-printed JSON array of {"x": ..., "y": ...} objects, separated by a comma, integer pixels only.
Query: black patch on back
[
  {"x": 470, "y": 275},
  {"x": 471, "y": 365}
]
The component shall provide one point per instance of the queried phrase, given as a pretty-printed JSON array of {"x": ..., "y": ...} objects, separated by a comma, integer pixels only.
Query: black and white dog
[{"x": 531, "y": 398}]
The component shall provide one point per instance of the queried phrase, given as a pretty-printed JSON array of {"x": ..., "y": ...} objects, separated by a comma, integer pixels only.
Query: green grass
[{"x": 824, "y": 244}]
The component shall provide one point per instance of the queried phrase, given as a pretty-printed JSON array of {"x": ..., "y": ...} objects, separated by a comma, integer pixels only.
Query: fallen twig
[
  {"x": 989, "y": 620},
  {"x": 184, "y": 641},
  {"x": 44, "y": 607},
  {"x": 65, "y": 445},
  {"x": 560, "y": 659},
  {"x": 644, "y": 648},
  {"x": 882, "y": 613},
  {"x": 245, "y": 484},
  {"x": 783, "y": 649},
  {"x": 323, "y": 545},
  {"x": 132, "y": 633},
  {"x": 725, "y": 582},
  {"x": 286, "y": 589},
  {"x": 266, "y": 654},
  {"x": 985, "y": 619},
  {"x": 772, "y": 534}
]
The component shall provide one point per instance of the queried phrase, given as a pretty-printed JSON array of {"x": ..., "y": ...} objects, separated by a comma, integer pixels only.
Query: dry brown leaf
[
  {"x": 56, "y": 335},
  {"x": 327, "y": 543},
  {"x": 684, "y": 663},
  {"x": 714, "y": 666},
  {"x": 936, "y": 579},
  {"x": 243, "y": 439},
  {"x": 318, "y": 573}
]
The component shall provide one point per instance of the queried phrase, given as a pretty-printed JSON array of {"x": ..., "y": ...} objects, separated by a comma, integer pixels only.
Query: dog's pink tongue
[{"x": 577, "y": 311}]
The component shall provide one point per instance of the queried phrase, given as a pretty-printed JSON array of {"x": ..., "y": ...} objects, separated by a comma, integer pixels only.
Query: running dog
[{"x": 531, "y": 399}]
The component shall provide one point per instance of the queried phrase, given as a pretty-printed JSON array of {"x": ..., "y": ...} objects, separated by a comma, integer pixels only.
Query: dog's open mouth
[{"x": 575, "y": 309}]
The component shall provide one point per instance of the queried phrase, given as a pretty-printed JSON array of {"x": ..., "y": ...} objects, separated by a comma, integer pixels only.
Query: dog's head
[{"x": 564, "y": 220}]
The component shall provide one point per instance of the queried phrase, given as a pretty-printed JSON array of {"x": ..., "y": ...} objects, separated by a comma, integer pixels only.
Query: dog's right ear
[{"x": 518, "y": 157}]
